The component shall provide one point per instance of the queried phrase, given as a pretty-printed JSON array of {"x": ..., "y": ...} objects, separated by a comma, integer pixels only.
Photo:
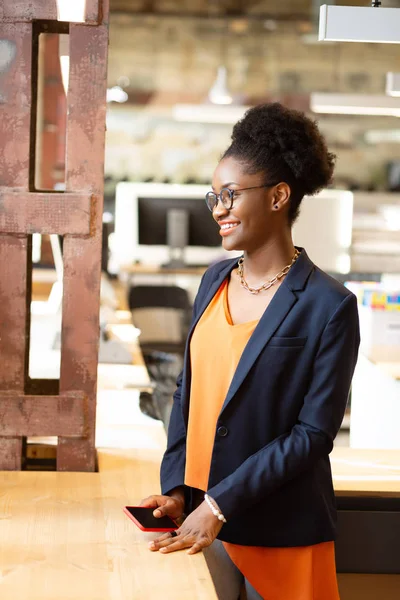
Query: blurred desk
[
  {"x": 363, "y": 472},
  {"x": 187, "y": 278},
  {"x": 116, "y": 376},
  {"x": 367, "y": 489},
  {"x": 42, "y": 282},
  {"x": 44, "y": 360}
]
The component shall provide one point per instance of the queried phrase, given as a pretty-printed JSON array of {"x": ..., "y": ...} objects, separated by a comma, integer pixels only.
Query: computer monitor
[
  {"x": 176, "y": 222},
  {"x": 164, "y": 224}
]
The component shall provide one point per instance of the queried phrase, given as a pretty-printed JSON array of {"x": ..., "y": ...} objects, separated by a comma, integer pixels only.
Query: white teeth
[{"x": 228, "y": 225}]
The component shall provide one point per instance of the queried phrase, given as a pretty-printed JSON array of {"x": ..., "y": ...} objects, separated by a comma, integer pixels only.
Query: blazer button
[{"x": 222, "y": 431}]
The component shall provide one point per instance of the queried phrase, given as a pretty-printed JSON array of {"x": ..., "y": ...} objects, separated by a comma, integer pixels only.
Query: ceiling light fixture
[
  {"x": 359, "y": 24},
  {"x": 116, "y": 94},
  {"x": 393, "y": 84},
  {"x": 219, "y": 93},
  {"x": 355, "y": 104}
]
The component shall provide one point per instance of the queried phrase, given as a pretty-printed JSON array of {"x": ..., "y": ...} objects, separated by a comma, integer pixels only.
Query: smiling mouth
[{"x": 227, "y": 226}]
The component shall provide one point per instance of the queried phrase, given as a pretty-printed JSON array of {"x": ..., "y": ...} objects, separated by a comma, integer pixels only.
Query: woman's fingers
[
  {"x": 163, "y": 540},
  {"x": 150, "y": 502},
  {"x": 197, "y": 547},
  {"x": 164, "y": 510},
  {"x": 156, "y": 503},
  {"x": 157, "y": 543},
  {"x": 176, "y": 543},
  {"x": 186, "y": 542},
  {"x": 197, "y": 532},
  {"x": 167, "y": 543},
  {"x": 163, "y": 506}
]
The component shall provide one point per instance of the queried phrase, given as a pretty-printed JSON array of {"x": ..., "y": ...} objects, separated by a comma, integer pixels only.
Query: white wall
[{"x": 324, "y": 229}]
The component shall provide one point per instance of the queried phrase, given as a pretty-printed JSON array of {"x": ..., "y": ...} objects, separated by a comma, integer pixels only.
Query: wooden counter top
[{"x": 64, "y": 535}]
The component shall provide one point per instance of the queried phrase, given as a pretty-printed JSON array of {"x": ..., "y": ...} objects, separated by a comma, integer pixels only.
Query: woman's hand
[
  {"x": 198, "y": 531},
  {"x": 173, "y": 505}
]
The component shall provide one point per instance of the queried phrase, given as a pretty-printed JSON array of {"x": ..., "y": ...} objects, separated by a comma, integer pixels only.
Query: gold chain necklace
[{"x": 268, "y": 284}]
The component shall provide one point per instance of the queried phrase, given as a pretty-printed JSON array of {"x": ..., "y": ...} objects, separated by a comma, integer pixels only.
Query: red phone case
[{"x": 126, "y": 511}]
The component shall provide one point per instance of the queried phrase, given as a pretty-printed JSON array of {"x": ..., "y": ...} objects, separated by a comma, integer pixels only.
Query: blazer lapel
[
  {"x": 279, "y": 307},
  {"x": 276, "y": 312}
]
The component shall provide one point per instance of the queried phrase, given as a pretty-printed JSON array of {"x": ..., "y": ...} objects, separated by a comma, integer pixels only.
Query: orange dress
[{"x": 298, "y": 573}]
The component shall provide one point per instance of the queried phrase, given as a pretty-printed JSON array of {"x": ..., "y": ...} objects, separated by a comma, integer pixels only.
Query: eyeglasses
[{"x": 226, "y": 196}]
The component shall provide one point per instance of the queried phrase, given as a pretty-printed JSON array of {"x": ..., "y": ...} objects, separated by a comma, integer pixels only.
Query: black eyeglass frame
[{"x": 231, "y": 194}]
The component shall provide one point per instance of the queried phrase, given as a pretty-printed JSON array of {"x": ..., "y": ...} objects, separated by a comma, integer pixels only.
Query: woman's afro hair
[{"x": 287, "y": 146}]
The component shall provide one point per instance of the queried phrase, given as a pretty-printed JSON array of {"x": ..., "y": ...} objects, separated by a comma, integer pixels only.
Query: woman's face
[{"x": 252, "y": 220}]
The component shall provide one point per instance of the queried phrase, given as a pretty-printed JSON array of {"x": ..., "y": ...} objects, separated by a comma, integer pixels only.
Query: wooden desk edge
[{"x": 366, "y": 493}]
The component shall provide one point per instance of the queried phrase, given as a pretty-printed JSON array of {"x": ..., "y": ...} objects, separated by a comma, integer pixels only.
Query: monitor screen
[{"x": 152, "y": 221}]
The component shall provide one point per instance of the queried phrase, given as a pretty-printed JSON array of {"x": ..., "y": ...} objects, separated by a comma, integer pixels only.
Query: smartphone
[{"x": 143, "y": 517}]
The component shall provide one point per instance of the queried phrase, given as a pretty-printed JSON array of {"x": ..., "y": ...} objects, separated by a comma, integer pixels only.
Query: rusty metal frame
[
  {"x": 67, "y": 408},
  {"x": 27, "y": 213},
  {"x": 43, "y": 415}
]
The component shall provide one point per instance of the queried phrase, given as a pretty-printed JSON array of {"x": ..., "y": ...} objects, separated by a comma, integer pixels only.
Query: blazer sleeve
[
  {"x": 318, "y": 423},
  {"x": 172, "y": 473}
]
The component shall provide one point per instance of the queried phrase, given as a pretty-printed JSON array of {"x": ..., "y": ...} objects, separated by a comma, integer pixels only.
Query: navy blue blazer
[{"x": 270, "y": 471}]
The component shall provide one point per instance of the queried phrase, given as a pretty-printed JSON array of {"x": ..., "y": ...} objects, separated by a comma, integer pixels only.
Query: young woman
[{"x": 267, "y": 372}]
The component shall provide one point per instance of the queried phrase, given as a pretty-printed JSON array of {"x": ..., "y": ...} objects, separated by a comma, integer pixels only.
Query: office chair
[{"x": 162, "y": 313}]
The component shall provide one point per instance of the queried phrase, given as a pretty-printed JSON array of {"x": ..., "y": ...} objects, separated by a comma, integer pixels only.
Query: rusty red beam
[
  {"x": 15, "y": 118},
  {"x": 46, "y": 10},
  {"x": 24, "y": 212},
  {"x": 82, "y": 257},
  {"x": 43, "y": 415},
  {"x": 69, "y": 414}
]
